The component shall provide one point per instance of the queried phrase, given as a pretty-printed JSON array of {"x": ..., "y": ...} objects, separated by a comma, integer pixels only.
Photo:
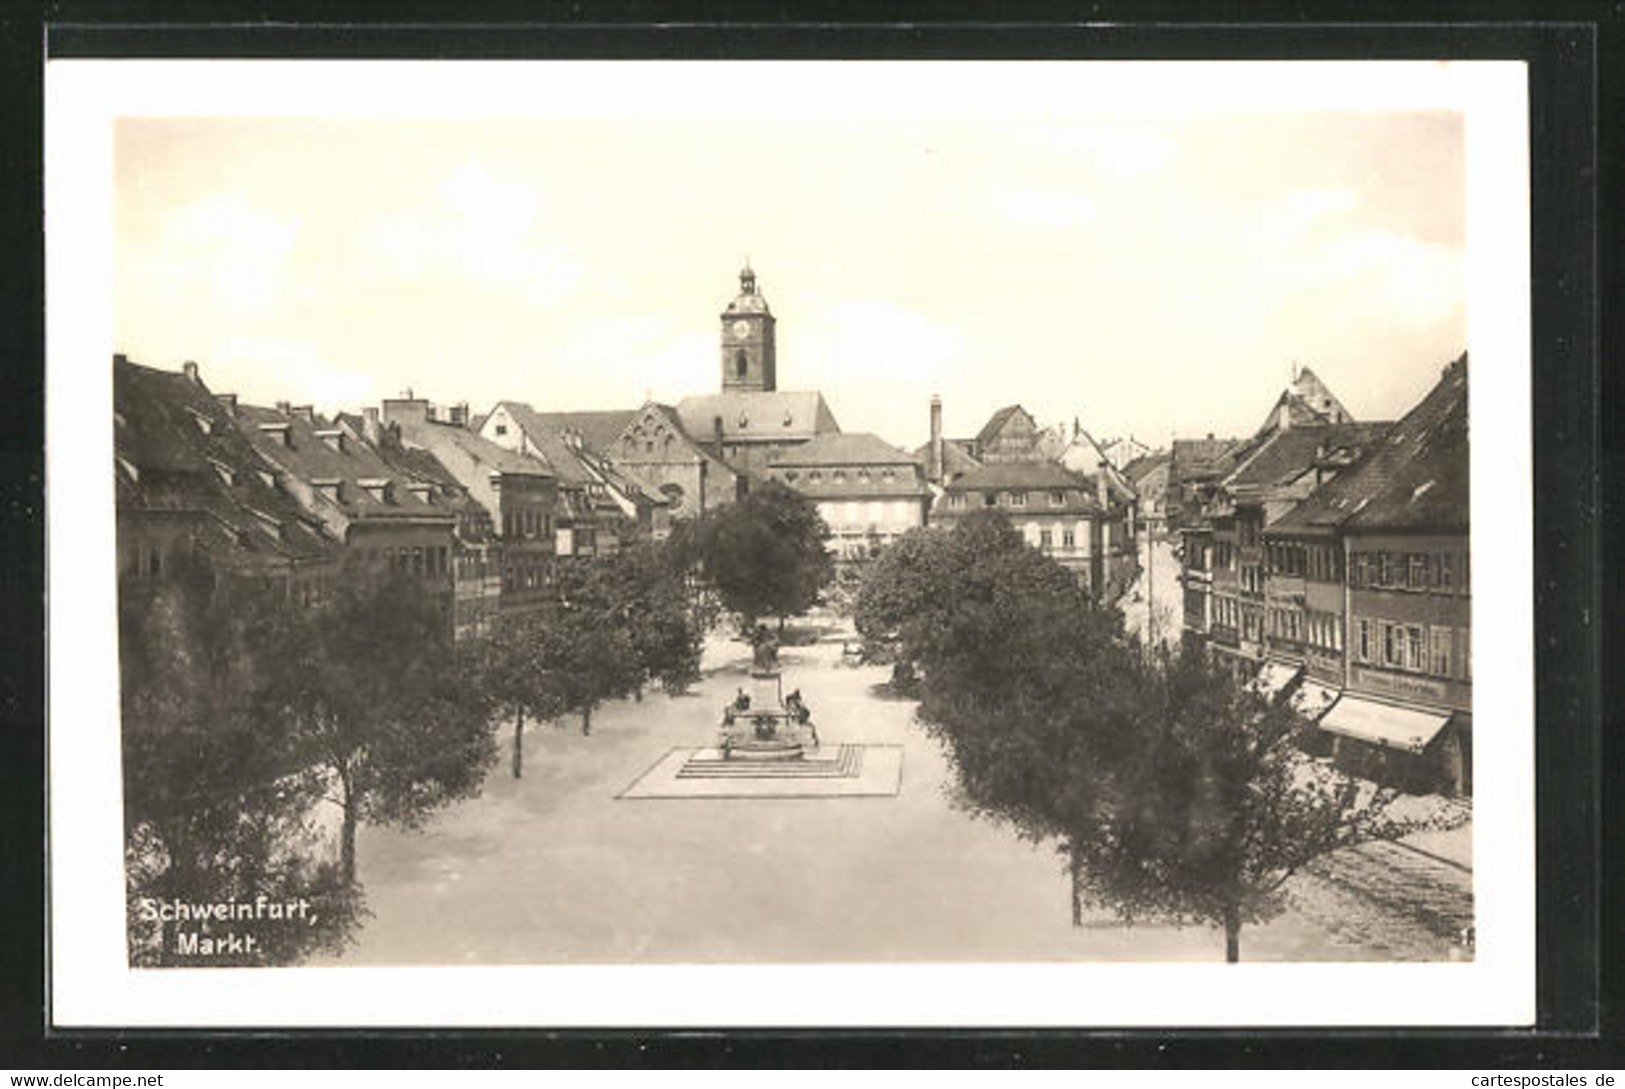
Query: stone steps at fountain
[{"x": 846, "y": 763}]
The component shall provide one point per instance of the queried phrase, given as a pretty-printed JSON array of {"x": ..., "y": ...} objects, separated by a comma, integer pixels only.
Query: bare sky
[{"x": 1154, "y": 274}]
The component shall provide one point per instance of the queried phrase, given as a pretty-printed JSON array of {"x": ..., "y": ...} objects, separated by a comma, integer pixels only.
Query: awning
[
  {"x": 1274, "y": 676},
  {"x": 1382, "y": 724},
  {"x": 1313, "y": 699}
]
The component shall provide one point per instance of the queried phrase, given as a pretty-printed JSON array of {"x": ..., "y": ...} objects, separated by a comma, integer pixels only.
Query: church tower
[{"x": 747, "y": 340}]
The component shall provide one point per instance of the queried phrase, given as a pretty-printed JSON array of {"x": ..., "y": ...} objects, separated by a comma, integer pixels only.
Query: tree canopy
[
  {"x": 374, "y": 692},
  {"x": 765, "y": 553},
  {"x": 1172, "y": 790}
]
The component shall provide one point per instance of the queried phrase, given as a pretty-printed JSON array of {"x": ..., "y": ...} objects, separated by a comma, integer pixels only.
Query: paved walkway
[{"x": 554, "y": 869}]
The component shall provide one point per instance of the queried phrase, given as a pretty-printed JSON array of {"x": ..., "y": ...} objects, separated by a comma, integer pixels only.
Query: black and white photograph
[{"x": 978, "y": 527}]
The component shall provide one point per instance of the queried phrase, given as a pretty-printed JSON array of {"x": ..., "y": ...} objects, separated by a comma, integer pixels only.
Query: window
[
  {"x": 1415, "y": 648},
  {"x": 1418, "y": 570},
  {"x": 956, "y": 502},
  {"x": 502, "y": 429},
  {"x": 1363, "y": 639},
  {"x": 815, "y": 476},
  {"x": 417, "y": 560},
  {"x": 840, "y": 476},
  {"x": 1392, "y": 653},
  {"x": 1447, "y": 564},
  {"x": 1046, "y": 539},
  {"x": 741, "y": 364},
  {"x": 1057, "y": 499},
  {"x": 1467, "y": 653},
  {"x": 1357, "y": 571},
  {"x": 1068, "y": 540},
  {"x": 1439, "y": 663},
  {"x": 1384, "y": 570},
  {"x": 1018, "y": 499}
]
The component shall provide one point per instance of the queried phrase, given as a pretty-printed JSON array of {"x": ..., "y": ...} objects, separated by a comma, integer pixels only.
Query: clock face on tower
[{"x": 741, "y": 329}]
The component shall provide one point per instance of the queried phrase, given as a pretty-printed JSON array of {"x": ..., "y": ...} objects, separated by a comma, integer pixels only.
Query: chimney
[
  {"x": 120, "y": 359},
  {"x": 459, "y": 414},
  {"x": 370, "y": 429},
  {"x": 305, "y": 412},
  {"x": 1102, "y": 494},
  {"x": 284, "y": 408},
  {"x": 716, "y": 433},
  {"x": 935, "y": 470},
  {"x": 1284, "y": 417},
  {"x": 229, "y": 400},
  {"x": 191, "y": 373}
]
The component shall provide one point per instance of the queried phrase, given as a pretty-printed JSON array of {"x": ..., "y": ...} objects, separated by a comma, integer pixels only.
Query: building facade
[
  {"x": 867, "y": 491},
  {"x": 1061, "y": 513}
]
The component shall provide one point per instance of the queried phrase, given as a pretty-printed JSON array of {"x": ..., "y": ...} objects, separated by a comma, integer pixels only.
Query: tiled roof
[
  {"x": 599, "y": 430},
  {"x": 564, "y": 462},
  {"x": 995, "y": 424},
  {"x": 1020, "y": 474},
  {"x": 1142, "y": 467},
  {"x": 1415, "y": 477},
  {"x": 309, "y": 458},
  {"x": 433, "y": 434},
  {"x": 1286, "y": 455},
  {"x": 749, "y": 415},
  {"x": 956, "y": 460},
  {"x": 176, "y": 448},
  {"x": 850, "y": 448}
]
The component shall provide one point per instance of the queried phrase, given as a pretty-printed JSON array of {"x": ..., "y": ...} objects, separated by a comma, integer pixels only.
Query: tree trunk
[
  {"x": 1232, "y": 935},
  {"x": 518, "y": 745},
  {"x": 347, "y": 842},
  {"x": 586, "y": 721},
  {"x": 637, "y": 693},
  {"x": 1075, "y": 866},
  {"x": 781, "y": 625}
]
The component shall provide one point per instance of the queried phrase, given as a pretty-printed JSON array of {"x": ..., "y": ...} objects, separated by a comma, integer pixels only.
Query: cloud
[
  {"x": 1381, "y": 278},
  {"x": 222, "y": 252},
  {"x": 862, "y": 340},
  {"x": 284, "y": 368},
  {"x": 484, "y": 233},
  {"x": 1123, "y": 151},
  {"x": 1045, "y": 209}
]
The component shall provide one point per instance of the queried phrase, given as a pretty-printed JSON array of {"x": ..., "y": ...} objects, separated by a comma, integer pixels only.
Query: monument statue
[
  {"x": 760, "y": 724},
  {"x": 764, "y": 650}
]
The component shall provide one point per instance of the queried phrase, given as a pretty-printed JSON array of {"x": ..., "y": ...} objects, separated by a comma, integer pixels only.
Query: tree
[
  {"x": 215, "y": 810},
  {"x": 665, "y": 622},
  {"x": 1213, "y": 805},
  {"x": 765, "y": 554},
  {"x": 381, "y": 704},
  {"x": 516, "y": 677},
  {"x": 1020, "y": 670},
  {"x": 585, "y": 647}
]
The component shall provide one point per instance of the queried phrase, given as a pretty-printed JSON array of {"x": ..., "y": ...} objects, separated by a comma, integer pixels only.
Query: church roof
[
  {"x": 850, "y": 448},
  {"x": 757, "y": 416}
]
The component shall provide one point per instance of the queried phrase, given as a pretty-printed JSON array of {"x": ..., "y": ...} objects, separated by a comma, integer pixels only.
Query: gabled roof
[
  {"x": 956, "y": 460},
  {"x": 598, "y": 429},
  {"x": 850, "y": 448},
  {"x": 564, "y": 462},
  {"x": 309, "y": 458},
  {"x": 757, "y": 416},
  {"x": 1415, "y": 477},
  {"x": 1286, "y": 455},
  {"x": 1142, "y": 467},
  {"x": 1021, "y": 474},
  {"x": 995, "y": 424},
  {"x": 435, "y": 434},
  {"x": 177, "y": 448}
]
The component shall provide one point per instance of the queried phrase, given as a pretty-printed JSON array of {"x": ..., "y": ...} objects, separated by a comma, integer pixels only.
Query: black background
[{"x": 1574, "y": 56}]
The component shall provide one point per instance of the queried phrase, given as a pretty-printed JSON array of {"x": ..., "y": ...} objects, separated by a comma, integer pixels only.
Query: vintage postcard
[{"x": 764, "y": 543}]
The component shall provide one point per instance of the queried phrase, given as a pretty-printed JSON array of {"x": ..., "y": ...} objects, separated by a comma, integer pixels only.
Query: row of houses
[
  {"x": 480, "y": 506},
  {"x": 1330, "y": 561}
]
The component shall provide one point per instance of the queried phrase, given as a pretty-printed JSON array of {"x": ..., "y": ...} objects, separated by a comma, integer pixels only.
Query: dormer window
[
  {"x": 278, "y": 432},
  {"x": 863, "y": 475},
  {"x": 1057, "y": 499},
  {"x": 204, "y": 424},
  {"x": 225, "y": 472},
  {"x": 888, "y": 475},
  {"x": 330, "y": 490},
  {"x": 815, "y": 476},
  {"x": 423, "y": 492},
  {"x": 744, "y": 421},
  {"x": 266, "y": 477},
  {"x": 333, "y": 437},
  {"x": 840, "y": 476},
  {"x": 377, "y": 489}
]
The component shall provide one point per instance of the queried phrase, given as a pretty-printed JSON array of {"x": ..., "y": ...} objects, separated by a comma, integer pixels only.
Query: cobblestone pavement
[{"x": 1390, "y": 899}]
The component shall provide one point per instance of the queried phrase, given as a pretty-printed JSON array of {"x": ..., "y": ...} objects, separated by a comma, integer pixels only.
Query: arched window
[{"x": 741, "y": 364}]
